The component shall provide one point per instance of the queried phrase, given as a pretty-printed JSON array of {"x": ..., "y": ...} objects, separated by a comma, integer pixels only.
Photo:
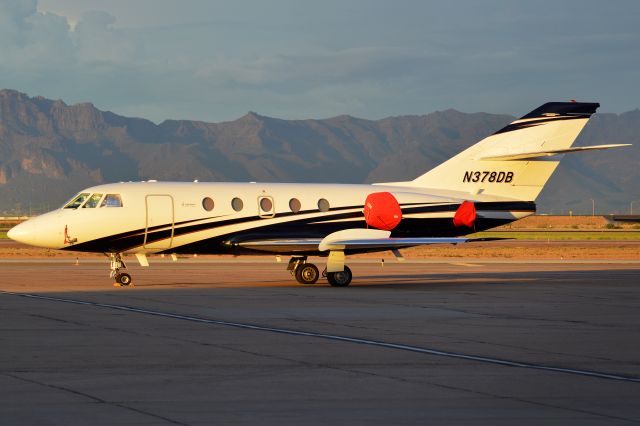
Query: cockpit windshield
[
  {"x": 87, "y": 200},
  {"x": 93, "y": 201},
  {"x": 112, "y": 200},
  {"x": 77, "y": 201}
]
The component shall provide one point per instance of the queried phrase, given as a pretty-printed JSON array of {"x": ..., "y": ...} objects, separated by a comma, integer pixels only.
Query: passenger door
[{"x": 158, "y": 233}]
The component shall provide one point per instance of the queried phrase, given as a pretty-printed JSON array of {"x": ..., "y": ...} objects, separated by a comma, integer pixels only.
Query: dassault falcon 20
[{"x": 493, "y": 182}]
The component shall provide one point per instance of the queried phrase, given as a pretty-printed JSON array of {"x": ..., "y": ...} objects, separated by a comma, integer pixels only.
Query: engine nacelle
[
  {"x": 465, "y": 215},
  {"x": 382, "y": 211}
]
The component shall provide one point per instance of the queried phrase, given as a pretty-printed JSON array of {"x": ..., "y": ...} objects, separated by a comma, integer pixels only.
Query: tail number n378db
[{"x": 488, "y": 176}]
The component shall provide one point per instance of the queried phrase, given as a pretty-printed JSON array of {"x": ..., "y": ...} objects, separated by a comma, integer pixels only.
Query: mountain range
[{"x": 50, "y": 150}]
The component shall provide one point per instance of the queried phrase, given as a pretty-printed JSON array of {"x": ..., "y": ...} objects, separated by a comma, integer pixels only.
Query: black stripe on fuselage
[
  {"x": 131, "y": 239},
  {"x": 135, "y": 238},
  {"x": 305, "y": 227}
]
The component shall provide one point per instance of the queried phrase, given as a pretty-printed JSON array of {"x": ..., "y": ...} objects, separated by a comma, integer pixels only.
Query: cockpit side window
[
  {"x": 92, "y": 202},
  {"x": 77, "y": 201},
  {"x": 112, "y": 200}
]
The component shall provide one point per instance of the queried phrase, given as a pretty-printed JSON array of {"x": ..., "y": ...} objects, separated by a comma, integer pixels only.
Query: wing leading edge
[{"x": 352, "y": 240}]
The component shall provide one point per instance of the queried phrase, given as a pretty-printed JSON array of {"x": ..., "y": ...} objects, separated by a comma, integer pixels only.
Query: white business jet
[{"x": 493, "y": 182}]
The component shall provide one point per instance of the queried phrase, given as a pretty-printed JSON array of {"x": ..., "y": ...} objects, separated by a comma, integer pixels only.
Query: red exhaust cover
[
  {"x": 465, "y": 215},
  {"x": 382, "y": 211}
]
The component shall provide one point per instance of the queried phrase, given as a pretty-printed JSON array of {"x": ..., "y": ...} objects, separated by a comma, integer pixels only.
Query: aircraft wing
[
  {"x": 347, "y": 240},
  {"x": 387, "y": 243},
  {"x": 286, "y": 245}
]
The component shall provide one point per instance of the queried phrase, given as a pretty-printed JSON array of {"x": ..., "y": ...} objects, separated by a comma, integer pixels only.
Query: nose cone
[
  {"x": 25, "y": 233},
  {"x": 41, "y": 231}
]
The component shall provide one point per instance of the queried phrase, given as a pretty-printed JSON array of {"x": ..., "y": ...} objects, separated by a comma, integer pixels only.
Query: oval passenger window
[
  {"x": 294, "y": 205},
  {"x": 207, "y": 204},
  {"x": 266, "y": 205},
  {"x": 323, "y": 205},
  {"x": 237, "y": 204}
]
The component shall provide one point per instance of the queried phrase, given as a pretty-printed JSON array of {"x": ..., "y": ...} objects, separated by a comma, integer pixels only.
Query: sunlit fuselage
[{"x": 173, "y": 217}]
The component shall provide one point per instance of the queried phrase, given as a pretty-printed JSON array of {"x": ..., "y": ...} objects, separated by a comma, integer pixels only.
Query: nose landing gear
[{"x": 117, "y": 263}]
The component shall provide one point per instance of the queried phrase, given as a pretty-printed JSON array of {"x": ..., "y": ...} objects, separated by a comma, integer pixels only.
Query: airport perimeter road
[{"x": 419, "y": 343}]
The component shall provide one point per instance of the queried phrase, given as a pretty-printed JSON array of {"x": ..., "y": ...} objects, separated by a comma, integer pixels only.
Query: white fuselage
[{"x": 173, "y": 216}]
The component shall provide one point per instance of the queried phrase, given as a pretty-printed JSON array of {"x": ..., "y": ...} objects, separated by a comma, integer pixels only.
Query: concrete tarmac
[{"x": 206, "y": 342}]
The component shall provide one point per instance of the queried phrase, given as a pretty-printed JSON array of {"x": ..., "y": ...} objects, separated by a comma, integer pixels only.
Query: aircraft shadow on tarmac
[
  {"x": 420, "y": 281},
  {"x": 438, "y": 280}
]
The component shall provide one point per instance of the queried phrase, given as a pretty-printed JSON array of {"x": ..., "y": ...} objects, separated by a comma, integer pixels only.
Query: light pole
[{"x": 593, "y": 207}]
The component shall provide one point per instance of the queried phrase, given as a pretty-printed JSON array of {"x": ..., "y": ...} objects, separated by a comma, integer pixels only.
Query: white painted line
[
  {"x": 388, "y": 345},
  {"x": 469, "y": 265}
]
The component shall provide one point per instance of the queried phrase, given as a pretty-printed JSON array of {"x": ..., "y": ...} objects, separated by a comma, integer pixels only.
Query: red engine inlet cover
[
  {"x": 382, "y": 211},
  {"x": 465, "y": 215}
]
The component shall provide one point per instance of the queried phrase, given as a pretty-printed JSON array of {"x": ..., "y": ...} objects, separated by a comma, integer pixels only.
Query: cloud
[
  {"x": 366, "y": 58},
  {"x": 16, "y": 11},
  {"x": 32, "y": 42},
  {"x": 97, "y": 40}
]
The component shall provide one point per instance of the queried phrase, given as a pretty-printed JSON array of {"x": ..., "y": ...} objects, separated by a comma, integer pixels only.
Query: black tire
[
  {"x": 123, "y": 279},
  {"x": 307, "y": 273},
  {"x": 340, "y": 279}
]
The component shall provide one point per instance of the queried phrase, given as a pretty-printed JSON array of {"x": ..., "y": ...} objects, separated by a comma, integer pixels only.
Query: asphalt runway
[{"x": 214, "y": 342}]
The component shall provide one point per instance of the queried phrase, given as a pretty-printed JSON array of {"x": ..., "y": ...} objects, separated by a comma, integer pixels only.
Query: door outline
[
  {"x": 262, "y": 213},
  {"x": 160, "y": 246}
]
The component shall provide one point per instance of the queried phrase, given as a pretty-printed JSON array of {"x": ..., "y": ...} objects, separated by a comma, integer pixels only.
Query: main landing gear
[
  {"x": 307, "y": 273},
  {"x": 340, "y": 279},
  {"x": 122, "y": 278}
]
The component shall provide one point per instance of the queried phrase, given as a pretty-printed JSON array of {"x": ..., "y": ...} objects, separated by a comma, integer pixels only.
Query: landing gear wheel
[
  {"x": 117, "y": 263},
  {"x": 307, "y": 273},
  {"x": 340, "y": 279},
  {"x": 123, "y": 279}
]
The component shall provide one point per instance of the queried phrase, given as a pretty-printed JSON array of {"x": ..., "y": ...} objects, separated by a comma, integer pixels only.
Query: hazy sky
[{"x": 216, "y": 60}]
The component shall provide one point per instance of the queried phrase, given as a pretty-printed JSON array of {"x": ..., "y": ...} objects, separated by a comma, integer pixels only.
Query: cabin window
[
  {"x": 294, "y": 205},
  {"x": 112, "y": 200},
  {"x": 207, "y": 204},
  {"x": 266, "y": 204},
  {"x": 323, "y": 205},
  {"x": 237, "y": 204},
  {"x": 77, "y": 202},
  {"x": 92, "y": 202}
]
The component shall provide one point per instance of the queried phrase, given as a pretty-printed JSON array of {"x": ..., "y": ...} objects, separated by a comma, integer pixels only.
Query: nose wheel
[
  {"x": 123, "y": 279},
  {"x": 117, "y": 263}
]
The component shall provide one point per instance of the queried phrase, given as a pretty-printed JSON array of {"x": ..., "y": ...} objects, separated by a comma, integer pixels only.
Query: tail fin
[{"x": 516, "y": 161}]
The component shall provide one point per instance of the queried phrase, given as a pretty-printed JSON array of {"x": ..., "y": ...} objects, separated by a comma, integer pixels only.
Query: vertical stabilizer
[{"x": 516, "y": 161}]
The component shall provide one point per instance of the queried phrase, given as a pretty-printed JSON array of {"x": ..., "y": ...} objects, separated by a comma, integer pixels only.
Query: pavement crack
[
  {"x": 94, "y": 398},
  {"x": 57, "y": 320}
]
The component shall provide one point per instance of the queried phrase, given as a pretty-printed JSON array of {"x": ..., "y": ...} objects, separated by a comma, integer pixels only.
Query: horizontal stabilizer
[{"x": 550, "y": 153}]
